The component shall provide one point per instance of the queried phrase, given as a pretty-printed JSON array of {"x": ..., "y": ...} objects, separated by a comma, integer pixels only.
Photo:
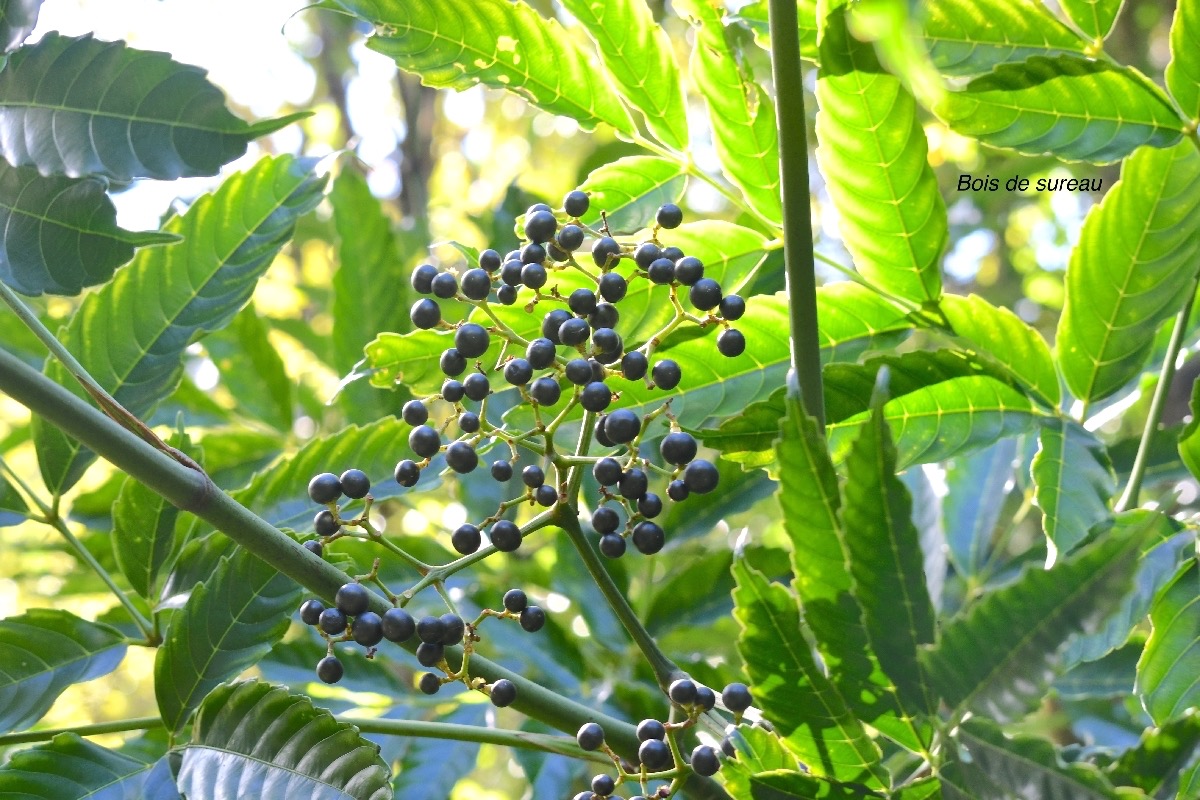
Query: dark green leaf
[
  {"x": 18, "y": 18},
  {"x": 1000, "y": 336},
  {"x": 794, "y": 694},
  {"x": 873, "y": 154},
  {"x": 13, "y": 509},
  {"x": 228, "y": 624},
  {"x": 78, "y": 106},
  {"x": 429, "y": 768},
  {"x": 61, "y": 234},
  {"x": 131, "y": 335},
  {"x": 975, "y": 495},
  {"x": 456, "y": 44},
  {"x": 1131, "y": 269},
  {"x": 1109, "y": 677},
  {"x": 748, "y": 438},
  {"x": 967, "y": 37},
  {"x": 886, "y": 561},
  {"x": 630, "y": 190},
  {"x": 1189, "y": 439},
  {"x": 252, "y": 369},
  {"x": 144, "y": 536},
  {"x": 1072, "y": 108},
  {"x": 1168, "y": 677},
  {"x": 740, "y": 113},
  {"x": 44, "y": 651},
  {"x": 1093, "y": 17},
  {"x": 196, "y": 564},
  {"x": 924, "y": 789},
  {"x": 1073, "y": 483},
  {"x": 788, "y": 785},
  {"x": 1161, "y": 757},
  {"x": 1002, "y": 652},
  {"x": 71, "y": 768},
  {"x": 254, "y": 739},
  {"x": 1183, "y": 73}
]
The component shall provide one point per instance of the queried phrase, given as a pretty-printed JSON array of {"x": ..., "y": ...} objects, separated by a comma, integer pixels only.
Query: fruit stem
[
  {"x": 525, "y": 740},
  {"x": 95, "y": 729},
  {"x": 797, "y": 206}
]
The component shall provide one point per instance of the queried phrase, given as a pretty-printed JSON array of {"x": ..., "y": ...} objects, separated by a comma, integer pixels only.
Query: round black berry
[
  {"x": 430, "y": 683},
  {"x": 606, "y": 340},
  {"x": 504, "y": 693},
  {"x": 325, "y": 524},
  {"x": 445, "y": 285},
  {"x": 605, "y": 249},
  {"x": 688, "y": 270},
  {"x": 579, "y": 371},
  {"x": 634, "y": 366},
  {"x": 705, "y": 294},
  {"x": 661, "y": 271},
  {"x": 506, "y": 536},
  {"x": 468, "y": 422},
  {"x": 552, "y": 322},
  {"x": 532, "y": 253},
  {"x": 622, "y": 426},
  {"x": 736, "y": 697},
  {"x": 605, "y": 520},
  {"x": 576, "y": 204},
  {"x": 731, "y": 343},
  {"x": 701, "y": 476},
  {"x": 430, "y": 653},
  {"x": 422, "y": 278},
  {"x": 666, "y": 374},
  {"x": 536, "y": 207},
  {"x": 510, "y": 275},
  {"x": 732, "y": 307},
  {"x": 430, "y": 629},
  {"x": 603, "y": 785},
  {"x": 367, "y": 629},
  {"x": 355, "y": 484},
  {"x": 649, "y": 729},
  {"x": 534, "y": 276},
  {"x": 570, "y": 238},
  {"x": 595, "y": 396},
  {"x": 533, "y": 618},
  {"x": 545, "y": 391},
  {"x": 633, "y": 484},
  {"x": 705, "y": 761},
  {"x": 502, "y": 471},
  {"x": 540, "y": 226},
  {"x": 398, "y": 625},
  {"x": 648, "y": 538},
  {"x": 515, "y": 601},
  {"x": 408, "y": 473},
  {"x": 506, "y": 295},
  {"x": 582, "y": 301},
  {"x": 476, "y": 284},
  {"x": 325, "y": 488},
  {"x": 471, "y": 340},
  {"x": 672, "y": 254},
  {"x": 682, "y": 692},
  {"x": 678, "y": 448},
  {"x": 466, "y": 539},
  {"x": 650, "y": 506},
  {"x": 518, "y": 372},
  {"x": 424, "y": 441},
  {"x": 415, "y": 413},
  {"x": 601, "y": 436},
  {"x": 574, "y": 332},
  {"x": 605, "y": 316},
  {"x": 352, "y": 599},
  {"x": 455, "y": 628},
  {"x": 654, "y": 754},
  {"x": 313, "y": 546},
  {"x": 461, "y": 457},
  {"x": 330, "y": 670},
  {"x": 607, "y": 471},
  {"x": 677, "y": 490},
  {"x": 540, "y": 353},
  {"x": 533, "y": 476},
  {"x": 489, "y": 260},
  {"x": 646, "y": 254},
  {"x": 613, "y": 287},
  {"x": 453, "y": 391},
  {"x": 669, "y": 216},
  {"x": 310, "y": 611},
  {"x": 476, "y": 386},
  {"x": 332, "y": 621},
  {"x": 452, "y": 362},
  {"x": 545, "y": 495},
  {"x": 590, "y": 736},
  {"x": 705, "y": 698},
  {"x": 612, "y": 545}
]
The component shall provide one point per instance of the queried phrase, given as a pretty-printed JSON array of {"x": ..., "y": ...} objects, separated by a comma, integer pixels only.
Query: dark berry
[
  {"x": 515, "y": 601},
  {"x": 605, "y": 520},
  {"x": 518, "y": 372},
  {"x": 648, "y": 538},
  {"x": 672, "y": 254},
  {"x": 705, "y": 698},
  {"x": 701, "y": 476},
  {"x": 489, "y": 260},
  {"x": 605, "y": 316},
  {"x": 476, "y": 284},
  {"x": 466, "y": 539},
  {"x": 510, "y": 275},
  {"x": 430, "y": 653},
  {"x": 533, "y": 618},
  {"x": 408, "y": 473},
  {"x": 310, "y": 611},
  {"x": 677, "y": 490},
  {"x": 633, "y": 484},
  {"x": 669, "y": 216},
  {"x": 613, "y": 287},
  {"x": 325, "y": 524},
  {"x": 502, "y": 471},
  {"x": 732, "y": 307},
  {"x": 604, "y": 249},
  {"x": 666, "y": 374},
  {"x": 471, "y": 340},
  {"x": 545, "y": 495},
  {"x": 608, "y": 357},
  {"x": 424, "y": 441},
  {"x": 646, "y": 254},
  {"x": 576, "y": 204},
  {"x": 595, "y": 396},
  {"x": 601, "y": 436},
  {"x": 367, "y": 629},
  {"x": 445, "y": 285},
  {"x": 461, "y": 457},
  {"x": 649, "y": 729},
  {"x": 607, "y": 471},
  {"x": 540, "y": 353},
  {"x": 661, "y": 271},
  {"x": 422, "y": 278},
  {"x": 325, "y": 488},
  {"x": 398, "y": 625},
  {"x": 603, "y": 785},
  {"x": 476, "y": 386},
  {"x": 330, "y": 670},
  {"x": 579, "y": 371},
  {"x": 430, "y": 629},
  {"x": 682, "y": 692},
  {"x": 355, "y": 484},
  {"x": 430, "y": 683},
  {"x": 623, "y": 426},
  {"x": 634, "y": 366},
  {"x": 654, "y": 754},
  {"x": 688, "y": 270},
  {"x": 506, "y": 536},
  {"x": 574, "y": 332},
  {"x": 455, "y": 628},
  {"x": 552, "y": 322},
  {"x": 452, "y": 362},
  {"x": 313, "y": 546},
  {"x": 582, "y": 301},
  {"x": 731, "y": 343},
  {"x": 532, "y": 253},
  {"x": 678, "y": 448},
  {"x": 453, "y": 391},
  {"x": 590, "y": 736},
  {"x": 536, "y": 207},
  {"x": 612, "y": 545},
  {"x": 650, "y": 505},
  {"x": 705, "y": 294},
  {"x": 332, "y": 621},
  {"x": 506, "y": 295},
  {"x": 728, "y": 747},
  {"x": 352, "y": 599},
  {"x": 705, "y": 761},
  {"x": 504, "y": 693},
  {"x": 540, "y": 226},
  {"x": 533, "y": 476},
  {"x": 468, "y": 422},
  {"x": 534, "y": 276},
  {"x": 736, "y": 697},
  {"x": 570, "y": 238},
  {"x": 545, "y": 391},
  {"x": 606, "y": 340},
  {"x": 415, "y": 413}
]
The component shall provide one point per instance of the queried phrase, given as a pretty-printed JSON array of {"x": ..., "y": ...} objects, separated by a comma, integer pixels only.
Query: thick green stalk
[
  {"x": 797, "y": 207},
  {"x": 96, "y": 729}
]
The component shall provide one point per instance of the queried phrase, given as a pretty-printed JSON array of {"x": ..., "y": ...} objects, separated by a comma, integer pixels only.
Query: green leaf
[
  {"x": 1108, "y": 677},
  {"x": 1068, "y": 107},
  {"x": 252, "y": 369},
  {"x": 967, "y": 37},
  {"x": 789, "y": 785},
  {"x": 639, "y": 57},
  {"x": 144, "y": 536},
  {"x": 1161, "y": 757},
  {"x": 630, "y": 190},
  {"x": 999, "y": 656},
  {"x": 874, "y": 156},
  {"x": 794, "y": 694},
  {"x": 1026, "y": 766},
  {"x": 1073, "y": 483},
  {"x": 230, "y": 622},
  {"x": 78, "y": 106},
  {"x": 61, "y": 234},
  {"x": 924, "y": 789},
  {"x": 976, "y": 490},
  {"x": 131, "y": 335},
  {"x": 197, "y": 562},
  {"x": 1131, "y": 269},
  {"x": 44, "y": 651},
  {"x": 71, "y": 768},
  {"x": 1168, "y": 677},
  {"x": 1189, "y": 439},
  {"x": 18, "y": 18},
  {"x": 254, "y": 739},
  {"x": 13, "y": 508},
  {"x": 1183, "y": 73},
  {"x": 1000, "y": 336},
  {"x": 1094, "y": 17},
  {"x": 456, "y": 44},
  {"x": 754, "y": 16},
  {"x": 886, "y": 562},
  {"x": 812, "y": 512},
  {"x": 758, "y": 751},
  {"x": 740, "y": 112},
  {"x": 749, "y": 437},
  {"x": 409, "y": 359}
]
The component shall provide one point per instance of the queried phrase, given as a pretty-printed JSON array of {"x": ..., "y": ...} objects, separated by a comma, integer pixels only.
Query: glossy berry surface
[
  {"x": 466, "y": 539},
  {"x": 313, "y": 546},
  {"x": 545, "y": 391},
  {"x": 352, "y": 599},
  {"x": 701, "y": 476},
  {"x": 430, "y": 629},
  {"x": 540, "y": 353},
  {"x": 367, "y": 629},
  {"x": 330, "y": 669},
  {"x": 425, "y": 314},
  {"x": 651, "y": 729},
  {"x": 325, "y": 488},
  {"x": 666, "y": 374},
  {"x": 471, "y": 340},
  {"x": 424, "y": 441},
  {"x": 506, "y": 536},
  {"x": 445, "y": 285},
  {"x": 634, "y": 366},
  {"x": 430, "y": 683},
  {"x": 678, "y": 448},
  {"x": 654, "y": 754},
  {"x": 576, "y": 203},
  {"x": 545, "y": 495},
  {"x": 310, "y": 611},
  {"x": 607, "y": 471},
  {"x": 705, "y": 294},
  {"x": 332, "y": 621},
  {"x": 622, "y": 426},
  {"x": 476, "y": 284},
  {"x": 732, "y": 307},
  {"x": 504, "y": 693},
  {"x": 422, "y": 278},
  {"x": 590, "y": 736},
  {"x": 595, "y": 397},
  {"x": 415, "y": 413},
  {"x": 518, "y": 372},
  {"x": 407, "y": 473},
  {"x": 669, "y": 216},
  {"x": 731, "y": 343},
  {"x": 515, "y": 601},
  {"x": 453, "y": 391},
  {"x": 533, "y": 618},
  {"x": 355, "y": 484},
  {"x": 452, "y": 362},
  {"x": 612, "y": 545},
  {"x": 454, "y": 629},
  {"x": 461, "y": 457},
  {"x": 682, "y": 691},
  {"x": 429, "y": 654},
  {"x": 736, "y": 697},
  {"x": 325, "y": 524},
  {"x": 648, "y": 537},
  {"x": 398, "y": 625},
  {"x": 502, "y": 471},
  {"x": 603, "y": 785},
  {"x": 705, "y": 760},
  {"x": 533, "y": 476}
]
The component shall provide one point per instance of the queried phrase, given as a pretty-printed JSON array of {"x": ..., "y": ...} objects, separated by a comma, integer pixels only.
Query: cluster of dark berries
[{"x": 349, "y": 620}]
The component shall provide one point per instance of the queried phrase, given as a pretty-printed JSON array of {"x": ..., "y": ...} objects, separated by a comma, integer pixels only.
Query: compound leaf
[
  {"x": 1183, "y": 73},
  {"x": 71, "y": 768},
  {"x": 968, "y": 37},
  {"x": 630, "y": 190},
  {"x": 1168, "y": 677},
  {"x": 1073, "y": 482},
  {"x": 999, "y": 335}
]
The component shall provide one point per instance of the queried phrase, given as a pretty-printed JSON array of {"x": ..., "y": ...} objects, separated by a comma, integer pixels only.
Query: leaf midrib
[{"x": 270, "y": 765}]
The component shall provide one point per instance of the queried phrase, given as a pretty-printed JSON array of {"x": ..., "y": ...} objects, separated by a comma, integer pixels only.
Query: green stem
[
  {"x": 475, "y": 733},
  {"x": 797, "y": 207},
  {"x": 1129, "y": 498},
  {"x": 95, "y": 729}
]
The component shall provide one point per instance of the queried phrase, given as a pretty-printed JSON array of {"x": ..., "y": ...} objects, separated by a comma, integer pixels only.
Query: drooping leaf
[
  {"x": 18, "y": 18},
  {"x": 44, "y": 651},
  {"x": 1069, "y": 107},
  {"x": 968, "y": 37},
  {"x": 229, "y": 623},
  {"x": 1073, "y": 483},
  {"x": 144, "y": 533},
  {"x": 1183, "y": 73},
  {"x": 814, "y": 522},
  {"x": 252, "y": 739},
  {"x": 13, "y": 508},
  {"x": 1093, "y": 17},
  {"x": 1168, "y": 678},
  {"x": 1026, "y": 766},
  {"x": 429, "y": 768},
  {"x": 61, "y": 234},
  {"x": 131, "y": 335},
  {"x": 630, "y": 190},
  {"x": 1162, "y": 756},
  {"x": 873, "y": 154},
  {"x": 748, "y": 438},
  {"x": 976, "y": 489},
  {"x": 999, "y": 656},
  {"x": 794, "y": 694},
  {"x": 79, "y": 106},
  {"x": 637, "y": 53},
  {"x": 456, "y": 44},
  {"x": 71, "y": 768},
  {"x": 740, "y": 113},
  {"x": 999, "y": 335}
]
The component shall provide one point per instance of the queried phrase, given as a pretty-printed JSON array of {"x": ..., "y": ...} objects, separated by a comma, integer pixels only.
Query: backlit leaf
[
  {"x": 967, "y": 37},
  {"x": 1183, "y": 73},
  {"x": 1168, "y": 677},
  {"x": 1073, "y": 482}
]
